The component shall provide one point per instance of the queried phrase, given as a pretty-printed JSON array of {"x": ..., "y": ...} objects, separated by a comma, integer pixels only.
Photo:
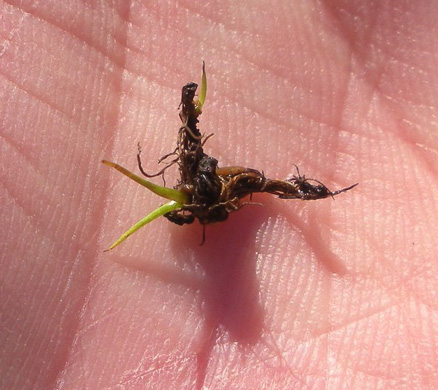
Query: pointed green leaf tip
[
  {"x": 203, "y": 91},
  {"x": 177, "y": 200},
  {"x": 164, "y": 192},
  {"x": 158, "y": 212}
]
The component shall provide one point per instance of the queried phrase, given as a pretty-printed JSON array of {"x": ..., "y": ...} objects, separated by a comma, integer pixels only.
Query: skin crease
[{"x": 331, "y": 294}]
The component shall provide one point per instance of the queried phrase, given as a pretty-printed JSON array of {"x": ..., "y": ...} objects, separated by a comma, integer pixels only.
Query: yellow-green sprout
[
  {"x": 164, "y": 192},
  {"x": 158, "y": 212},
  {"x": 202, "y": 92},
  {"x": 178, "y": 199}
]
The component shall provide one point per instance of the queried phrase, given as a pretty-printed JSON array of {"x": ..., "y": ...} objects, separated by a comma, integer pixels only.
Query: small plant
[{"x": 205, "y": 191}]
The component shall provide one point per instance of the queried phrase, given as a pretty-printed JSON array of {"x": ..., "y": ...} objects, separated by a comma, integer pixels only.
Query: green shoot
[
  {"x": 177, "y": 200},
  {"x": 164, "y": 192},
  {"x": 202, "y": 92},
  {"x": 158, "y": 212}
]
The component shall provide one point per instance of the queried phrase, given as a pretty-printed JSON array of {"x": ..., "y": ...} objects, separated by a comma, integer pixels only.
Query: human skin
[{"x": 331, "y": 294}]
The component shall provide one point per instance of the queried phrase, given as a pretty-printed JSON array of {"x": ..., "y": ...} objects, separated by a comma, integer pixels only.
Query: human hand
[{"x": 328, "y": 294}]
